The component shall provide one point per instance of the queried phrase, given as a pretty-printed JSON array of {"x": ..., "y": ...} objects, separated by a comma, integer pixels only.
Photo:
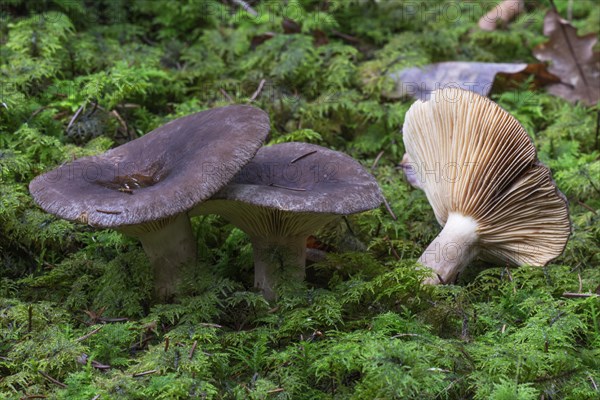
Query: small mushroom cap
[
  {"x": 293, "y": 189},
  {"x": 302, "y": 177},
  {"x": 163, "y": 173},
  {"x": 472, "y": 157}
]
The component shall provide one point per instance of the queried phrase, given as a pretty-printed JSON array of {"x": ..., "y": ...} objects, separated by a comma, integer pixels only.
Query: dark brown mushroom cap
[
  {"x": 164, "y": 173},
  {"x": 305, "y": 178}
]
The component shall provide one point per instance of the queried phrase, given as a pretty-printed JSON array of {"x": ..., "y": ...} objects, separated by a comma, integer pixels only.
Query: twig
[
  {"x": 598, "y": 130},
  {"x": 347, "y": 222},
  {"x": 109, "y": 320},
  {"x": 51, "y": 379},
  {"x": 75, "y": 116},
  {"x": 246, "y": 7},
  {"x": 36, "y": 112},
  {"x": 580, "y": 282},
  {"x": 376, "y": 161},
  {"x": 152, "y": 371},
  {"x": 582, "y": 204},
  {"x": 96, "y": 397},
  {"x": 258, "y": 90},
  {"x": 345, "y": 36},
  {"x": 406, "y": 334},
  {"x": 389, "y": 209},
  {"x": 224, "y": 93},
  {"x": 29, "y": 318},
  {"x": 394, "y": 252},
  {"x": 122, "y": 121},
  {"x": 34, "y": 396},
  {"x": 572, "y": 51},
  {"x": 302, "y": 156},
  {"x": 277, "y": 390},
  {"x": 593, "y": 382},
  {"x": 571, "y": 295},
  {"x": 166, "y": 344},
  {"x": 87, "y": 335},
  {"x": 193, "y": 349},
  {"x": 207, "y": 324}
]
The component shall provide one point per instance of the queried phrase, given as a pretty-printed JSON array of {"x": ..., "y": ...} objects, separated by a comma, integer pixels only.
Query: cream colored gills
[{"x": 478, "y": 169}]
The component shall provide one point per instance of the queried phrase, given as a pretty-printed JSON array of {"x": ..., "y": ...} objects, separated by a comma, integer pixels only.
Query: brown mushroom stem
[
  {"x": 169, "y": 245},
  {"x": 277, "y": 259},
  {"x": 452, "y": 250}
]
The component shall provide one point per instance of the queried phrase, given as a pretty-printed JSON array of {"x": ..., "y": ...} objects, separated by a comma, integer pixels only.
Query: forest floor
[{"x": 76, "y": 316}]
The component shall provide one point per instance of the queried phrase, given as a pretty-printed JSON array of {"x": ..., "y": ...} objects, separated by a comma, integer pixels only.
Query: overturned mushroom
[
  {"x": 480, "y": 173},
  {"x": 285, "y": 193},
  {"x": 145, "y": 187}
]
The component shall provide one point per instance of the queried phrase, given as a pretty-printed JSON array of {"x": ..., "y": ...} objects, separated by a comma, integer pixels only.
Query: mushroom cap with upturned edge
[
  {"x": 295, "y": 178},
  {"x": 475, "y": 162},
  {"x": 157, "y": 176}
]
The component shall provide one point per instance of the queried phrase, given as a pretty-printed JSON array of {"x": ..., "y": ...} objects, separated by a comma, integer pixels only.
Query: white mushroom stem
[
  {"x": 169, "y": 244},
  {"x": 277, "y": 259},
  {"x": 452, "y": 250}
]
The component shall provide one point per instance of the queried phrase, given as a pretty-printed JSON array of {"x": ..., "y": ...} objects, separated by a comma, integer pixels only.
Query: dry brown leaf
[
  {"x": 503, "y": 13},
  {"x": 572, "y": 60},
  {"x": 478, "y": 77}
]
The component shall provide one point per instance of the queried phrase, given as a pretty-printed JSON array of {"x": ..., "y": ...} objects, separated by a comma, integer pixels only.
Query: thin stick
[
  {"x": 224, "y": 93},
  {"x": 258, "y": 90},
  {"x": 193, "y": 349},
  {"x": 246, "y": 7},
  {"x": 51, "y": 379},
  {"x": 36, "y": 112},
  {"x": 122, "y": 121},
  {"x": 582, "y": 204},
  {"x": 29, "y": 318},
  {"x": 302, "y": 156},
  {"x": 166, "y": 344},
  {"x": 389, "y": 209},
  {"x": 152, "y": 371},
  {"x": 34, "y": 396},
  {"x": 598, "y": 130},
  {"x": 277, "y": 390},
  {"x": 207, "y": 324},
  {"x": 406, "y": 334},
  {"x": 113, "y": 319},
  {"x": 75, "y": 116},
  {"x": 377, "y": 160},
  {"x": 570, "y": 295},
  {"x": 394, "y": 252},
  {"x": 580, "y": 282},
  {"x": 87, "y": 335},
  {"x": 96, "y": 397}
]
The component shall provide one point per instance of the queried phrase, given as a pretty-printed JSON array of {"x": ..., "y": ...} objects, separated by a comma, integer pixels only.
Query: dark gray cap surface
[
  {"x": 159, "y": 175},
  {"x": 302, "y": 177}
]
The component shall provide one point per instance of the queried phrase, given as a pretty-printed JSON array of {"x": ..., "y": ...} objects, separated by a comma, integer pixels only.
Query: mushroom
[
  {"x": 284, "y": 194},
  {"x": 479, "y": 171},
  {"x": 144, "y": 188}
]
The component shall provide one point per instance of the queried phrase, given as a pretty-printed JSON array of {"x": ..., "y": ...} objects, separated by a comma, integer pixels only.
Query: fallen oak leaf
[
  {"x": 572, "y": 60},
  {"x": 478, "y": 77}
]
